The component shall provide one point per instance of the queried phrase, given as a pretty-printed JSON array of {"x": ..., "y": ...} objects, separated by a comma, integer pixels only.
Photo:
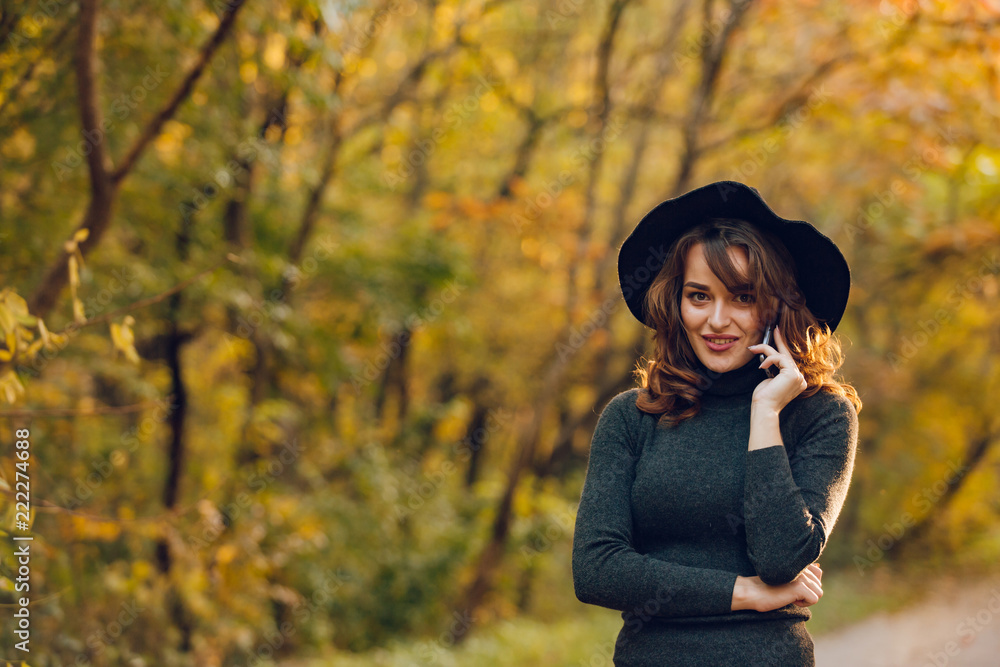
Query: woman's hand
[
  {"x": 803, "y": 591},
  {"x": 775, "y": 393}
]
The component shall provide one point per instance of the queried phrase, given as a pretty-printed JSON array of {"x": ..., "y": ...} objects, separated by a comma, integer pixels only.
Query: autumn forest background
[{"x": 310, "y": 307}]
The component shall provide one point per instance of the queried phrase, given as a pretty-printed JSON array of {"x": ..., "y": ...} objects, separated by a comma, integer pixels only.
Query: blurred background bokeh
[{"x": 311, "y": 307}]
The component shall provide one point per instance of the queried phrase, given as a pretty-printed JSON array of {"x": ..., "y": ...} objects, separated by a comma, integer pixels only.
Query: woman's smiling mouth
[{"x": 719, "y": 344}]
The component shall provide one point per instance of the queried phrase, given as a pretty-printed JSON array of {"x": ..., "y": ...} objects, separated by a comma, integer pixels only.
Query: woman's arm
[
  {"x": 804, "y": 591},
  {"x": 790, "y": 506},
  {"x": 607, "y": 570}
]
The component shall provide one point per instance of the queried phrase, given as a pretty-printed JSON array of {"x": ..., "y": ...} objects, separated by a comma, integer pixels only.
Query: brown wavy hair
[{"x": 673, "y": 378}]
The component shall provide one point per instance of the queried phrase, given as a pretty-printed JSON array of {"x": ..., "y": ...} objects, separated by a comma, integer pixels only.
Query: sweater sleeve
[
  {"x": 607, "y": 570},
  {"x": 791, "y": 503}
]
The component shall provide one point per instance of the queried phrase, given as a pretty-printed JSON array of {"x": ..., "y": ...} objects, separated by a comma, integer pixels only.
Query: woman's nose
[{"x": 719, "y": 318}]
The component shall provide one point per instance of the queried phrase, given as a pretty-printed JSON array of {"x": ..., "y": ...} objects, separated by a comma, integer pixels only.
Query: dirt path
[{"x": 957, "y": 625}]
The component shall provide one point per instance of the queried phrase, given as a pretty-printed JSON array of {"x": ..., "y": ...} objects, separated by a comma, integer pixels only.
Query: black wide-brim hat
[{"x": 822, "y": 273}]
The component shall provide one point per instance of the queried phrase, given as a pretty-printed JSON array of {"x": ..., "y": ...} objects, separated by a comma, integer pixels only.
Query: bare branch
[
  {"x": 168, "y": 110},
  {"x": 790, "y": 104},
  {"x": 104, "y": 183},
  {"x": 80, "y": 412},
  {"x": 107, "y": 317},
  {"x": 712, "y": 58},
  {"x": 87, "y": 98}
]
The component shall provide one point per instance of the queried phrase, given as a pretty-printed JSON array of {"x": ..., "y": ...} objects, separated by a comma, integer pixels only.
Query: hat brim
[{"x": 822, "y": 272}]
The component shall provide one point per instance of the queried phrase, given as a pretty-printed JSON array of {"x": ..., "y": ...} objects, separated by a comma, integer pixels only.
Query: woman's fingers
[
  {"x": 776, "y": 353},
  {"x": 807, "y": 592},
  {"x": 779, "y": 341},
  {"x": 808, "y": 586},
  {"x": 814, "y": 573}
]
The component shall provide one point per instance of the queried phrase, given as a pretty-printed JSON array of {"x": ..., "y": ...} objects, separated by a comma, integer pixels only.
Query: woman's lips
[{"x": 716, "y": 347}]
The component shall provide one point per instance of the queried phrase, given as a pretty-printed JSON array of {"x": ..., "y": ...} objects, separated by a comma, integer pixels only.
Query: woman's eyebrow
[{"x": 743, "y": 287}]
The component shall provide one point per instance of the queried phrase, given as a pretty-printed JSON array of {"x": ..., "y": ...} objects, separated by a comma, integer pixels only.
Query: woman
[{"x": 712, "y": 488}]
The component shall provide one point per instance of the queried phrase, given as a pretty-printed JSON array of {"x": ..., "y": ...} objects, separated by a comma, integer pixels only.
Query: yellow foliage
[
  {"x": 226, "y": 553},
  {"x": 489, "y": 102},
  {"x": 141, "y": 569},
  {"x": 21, "y": 144},
  {"x": 11, "y": 341},
  {"x": 396, "y": 59},
  {"x": 311, "y": 528},
  {"x": 123, "y": 339},
  {"x": 367, "y": 68},
  {"x": 437, "y": 199},
  {"x": 530, "y": 247},
  {"x": 451, "y": 428},
  {"x": 248, "y": 72},
  {"x": 274, "y": 50},
  {"x": 94, "y": 529},
  {"x": 444, "y": 19},
  {"x": 523, "y": 505},
  {"x": 11, "y": 386}
]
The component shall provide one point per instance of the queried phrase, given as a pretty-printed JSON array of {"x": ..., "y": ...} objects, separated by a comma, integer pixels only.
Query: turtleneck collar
[{"x": 737, "y": 381}]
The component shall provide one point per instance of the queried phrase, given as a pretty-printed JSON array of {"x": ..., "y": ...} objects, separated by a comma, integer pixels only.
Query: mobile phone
[{"x": 770, "y": 370}]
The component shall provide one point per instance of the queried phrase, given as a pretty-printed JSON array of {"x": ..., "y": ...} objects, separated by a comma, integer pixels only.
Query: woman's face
[{"x": 720, "y": 325}]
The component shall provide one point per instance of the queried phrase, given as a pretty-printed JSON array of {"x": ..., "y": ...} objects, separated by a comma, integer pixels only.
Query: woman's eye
[
  {"x": 745, "y": 298},
  {"x": 695, "y": 295}
]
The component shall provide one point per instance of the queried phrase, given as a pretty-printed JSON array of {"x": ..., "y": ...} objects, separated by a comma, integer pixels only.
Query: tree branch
[
  {"x": 105, "y": 183},
  {"x": 168, "y": 110},
  {"x": 793, "y": 102},
  {"x": 79, "y": 412},
  {"x": 712, "y": 58},
  {"x": 107, "y": 317},
  {"x": 87, "y": 98}
]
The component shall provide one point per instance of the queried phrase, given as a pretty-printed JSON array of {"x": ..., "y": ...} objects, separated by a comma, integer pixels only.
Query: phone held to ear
[{"x": 770, "y": 370}]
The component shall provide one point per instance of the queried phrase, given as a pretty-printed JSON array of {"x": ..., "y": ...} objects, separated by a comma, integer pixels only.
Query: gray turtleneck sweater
[{"x": 669, "y": 517}]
